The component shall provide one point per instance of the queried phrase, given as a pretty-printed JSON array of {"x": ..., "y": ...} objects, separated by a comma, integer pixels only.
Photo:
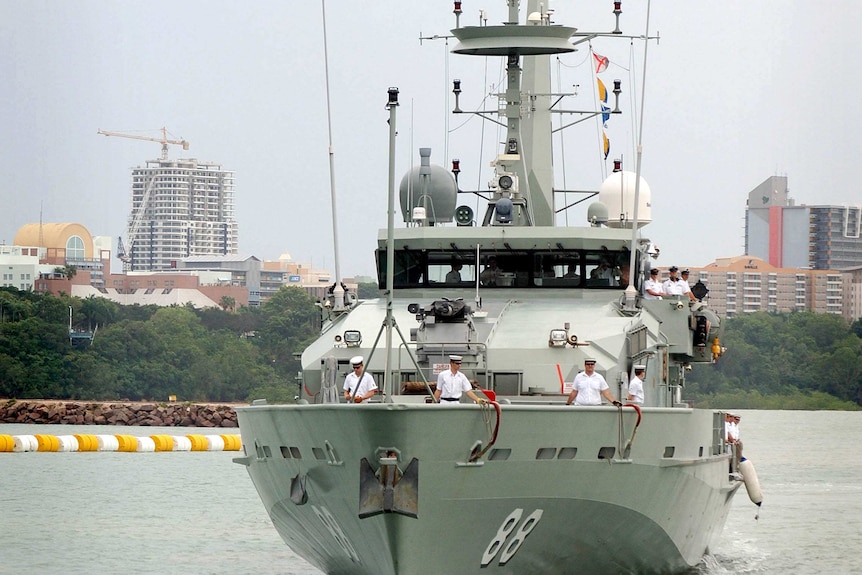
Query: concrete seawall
[{"x": 117, "y": 413}]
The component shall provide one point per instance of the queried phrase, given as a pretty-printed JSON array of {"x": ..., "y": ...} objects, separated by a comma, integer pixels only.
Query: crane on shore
[
  {"x": 164, "y": 140},
  {"x": 125, "y": 255}
]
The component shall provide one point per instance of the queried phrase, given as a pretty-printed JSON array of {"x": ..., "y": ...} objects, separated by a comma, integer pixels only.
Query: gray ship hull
[{"x": 558, "y": 492}]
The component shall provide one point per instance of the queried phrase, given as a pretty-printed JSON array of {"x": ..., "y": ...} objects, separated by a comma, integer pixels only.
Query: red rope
[
  {"x": 637, "y": 409},
  {"x": 493, "y": 435}
]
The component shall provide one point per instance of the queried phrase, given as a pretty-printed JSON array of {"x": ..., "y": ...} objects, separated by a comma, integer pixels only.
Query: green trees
[
  {"x": 147, "y": 352},
  {"x": 784, "y": 355},
  {"x": 227, "y": 303},
  {"x": 290, "y": 322}
]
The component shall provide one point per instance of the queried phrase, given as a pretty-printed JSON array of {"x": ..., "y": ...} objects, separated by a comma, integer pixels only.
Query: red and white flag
[{"x": 601, "y": 63}]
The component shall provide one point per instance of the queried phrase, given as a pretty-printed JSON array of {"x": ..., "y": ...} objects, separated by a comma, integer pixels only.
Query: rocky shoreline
[{"x": 117, "y": 413}]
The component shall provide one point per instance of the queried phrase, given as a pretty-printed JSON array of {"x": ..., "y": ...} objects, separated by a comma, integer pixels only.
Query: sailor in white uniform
[
  {"x": 452, "y": 382},
  {"x": 589, "y": 387},
  {"x": 652, "y": 287},
  {"x": 636, "y": 385},
  {"x": 359, "y": 385}
]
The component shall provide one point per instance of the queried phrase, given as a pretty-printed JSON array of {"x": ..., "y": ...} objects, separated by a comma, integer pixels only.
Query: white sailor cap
[
  {"x": 640, "y": 367},
  {"x": 455, "y": 359},
  {"x": 356, "y": 360},
  {"x": 589, "y": 360}
]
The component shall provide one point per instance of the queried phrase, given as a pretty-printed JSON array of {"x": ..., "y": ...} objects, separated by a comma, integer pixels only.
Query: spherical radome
[
  {"x": 618, "y": 194},
  {"x": 437, "y": 193}
]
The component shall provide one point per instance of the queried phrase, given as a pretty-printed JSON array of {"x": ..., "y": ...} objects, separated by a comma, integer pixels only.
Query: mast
[
  {"x": 538, "y": 176},
  {"x": 524, "y": 169}
]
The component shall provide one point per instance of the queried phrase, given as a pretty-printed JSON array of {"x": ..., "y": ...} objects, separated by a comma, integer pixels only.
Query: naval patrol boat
[{"x": 519, "y": 482}]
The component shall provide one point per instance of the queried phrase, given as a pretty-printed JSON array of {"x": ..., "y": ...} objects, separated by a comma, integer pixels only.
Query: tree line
[
  {"x": 797, "y": 360},
  {"x": 150, "y": 352},
  {"x": 783, "y": 361}
]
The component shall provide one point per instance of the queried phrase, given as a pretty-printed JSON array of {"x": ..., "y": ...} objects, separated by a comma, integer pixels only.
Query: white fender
[{"x": 752, "y": 485}]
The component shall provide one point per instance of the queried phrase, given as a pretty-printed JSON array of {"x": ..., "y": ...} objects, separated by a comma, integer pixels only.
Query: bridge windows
[{"x": 510, "y": 268}]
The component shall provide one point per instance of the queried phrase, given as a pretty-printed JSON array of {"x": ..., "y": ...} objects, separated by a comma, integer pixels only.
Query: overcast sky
[{"x": 736, "y": 91}]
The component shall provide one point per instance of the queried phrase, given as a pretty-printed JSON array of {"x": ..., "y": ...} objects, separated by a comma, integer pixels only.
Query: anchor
[
  {"x": 298, "y": 494},
  {"x": 388, "y": 490}
]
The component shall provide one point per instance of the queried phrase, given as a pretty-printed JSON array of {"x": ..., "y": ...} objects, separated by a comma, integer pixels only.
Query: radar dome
[
  {"x": 618, "y": 194},
  {"x": 597, "y": 213},
  {"x": 429, "y": 186}
]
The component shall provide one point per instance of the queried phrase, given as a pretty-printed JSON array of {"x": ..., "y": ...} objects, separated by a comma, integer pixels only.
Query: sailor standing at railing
[
  {"x": 652, "y": 287},
  {"x": 636, "y": 386},
  {"x": 359, "y": 385},
  {"x": 674, "y": 285},
  {"x": 589, "y": 387},
  {"x": 452, "y": 382}
]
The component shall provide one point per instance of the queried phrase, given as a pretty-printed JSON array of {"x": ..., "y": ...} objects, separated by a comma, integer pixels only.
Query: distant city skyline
[{"x": 735, "y": 92}]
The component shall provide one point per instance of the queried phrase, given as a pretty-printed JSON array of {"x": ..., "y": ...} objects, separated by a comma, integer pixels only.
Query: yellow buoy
[
  {"x": 232, "y": 442},
  {"x": 47, "y": 442},
  {"x": 163, "y": 442},
  {"x": 7, "y": 443},
  {"x": 127, "y": 443},
  {"x": 199, "y": 442},
  {"x": 87, "y": 442}
]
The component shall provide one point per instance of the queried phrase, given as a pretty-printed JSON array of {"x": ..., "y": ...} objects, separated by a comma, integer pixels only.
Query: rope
[
  {"x": 486, "y": 416},
  {"x": 637, "y": 423}
]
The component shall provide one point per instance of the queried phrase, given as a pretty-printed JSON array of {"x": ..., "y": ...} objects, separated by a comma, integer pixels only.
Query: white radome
[{"x": 618, "y": 194}]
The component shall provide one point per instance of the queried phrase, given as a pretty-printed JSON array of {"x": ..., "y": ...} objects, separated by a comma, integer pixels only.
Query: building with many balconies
[
  {"x": 180, "y": 209},
  {"x": 746, "y": 284},
  {"x": 817, "y": 237}
]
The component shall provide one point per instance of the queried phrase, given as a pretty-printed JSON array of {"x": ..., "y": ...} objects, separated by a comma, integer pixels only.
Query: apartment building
[
  {"x": 746, "y": 284},
  {"x": 818, "y": 237},
  {"x": 180, "y": 209}
]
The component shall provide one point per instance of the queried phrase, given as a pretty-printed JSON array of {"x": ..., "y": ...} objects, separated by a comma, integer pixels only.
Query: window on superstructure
[
  {"x": 557, "y": 269},
  {"x": 510, "y": 268}
]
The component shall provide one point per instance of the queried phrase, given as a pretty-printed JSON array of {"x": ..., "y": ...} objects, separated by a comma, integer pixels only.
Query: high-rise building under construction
[{"x": 180, "y": 208}]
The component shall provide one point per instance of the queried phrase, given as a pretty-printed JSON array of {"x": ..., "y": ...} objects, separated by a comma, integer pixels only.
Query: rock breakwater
[{"x": 118, "y": 413}]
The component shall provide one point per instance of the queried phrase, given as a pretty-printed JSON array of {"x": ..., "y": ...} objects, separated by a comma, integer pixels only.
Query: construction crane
[
  {"x": 125, "y": 255},
  {"x": 164, "y": 140}
]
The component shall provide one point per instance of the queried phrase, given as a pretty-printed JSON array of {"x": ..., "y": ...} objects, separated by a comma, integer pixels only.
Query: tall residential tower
[
  {"x": 180, "y": 208},
  {"x": 818, "y": 237}
]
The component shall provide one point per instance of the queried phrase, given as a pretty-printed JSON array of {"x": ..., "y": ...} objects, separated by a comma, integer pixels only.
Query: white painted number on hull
[
  {"x": 335, "y": 530},
  {"x": 501, "y": 538}
]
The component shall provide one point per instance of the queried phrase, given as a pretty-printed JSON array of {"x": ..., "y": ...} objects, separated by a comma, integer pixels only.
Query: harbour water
[{"x": 197, "y": 512}]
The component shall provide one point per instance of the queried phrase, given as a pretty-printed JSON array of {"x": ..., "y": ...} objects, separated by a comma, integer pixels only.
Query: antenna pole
[
  {"x": 392, "y": 105},
  {"x": 633, "y": 251},
  {"x": 337, "y": 291}
]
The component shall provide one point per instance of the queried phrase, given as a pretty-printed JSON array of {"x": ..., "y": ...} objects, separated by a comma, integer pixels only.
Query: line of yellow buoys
[{"x": 119, "y": 442}]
